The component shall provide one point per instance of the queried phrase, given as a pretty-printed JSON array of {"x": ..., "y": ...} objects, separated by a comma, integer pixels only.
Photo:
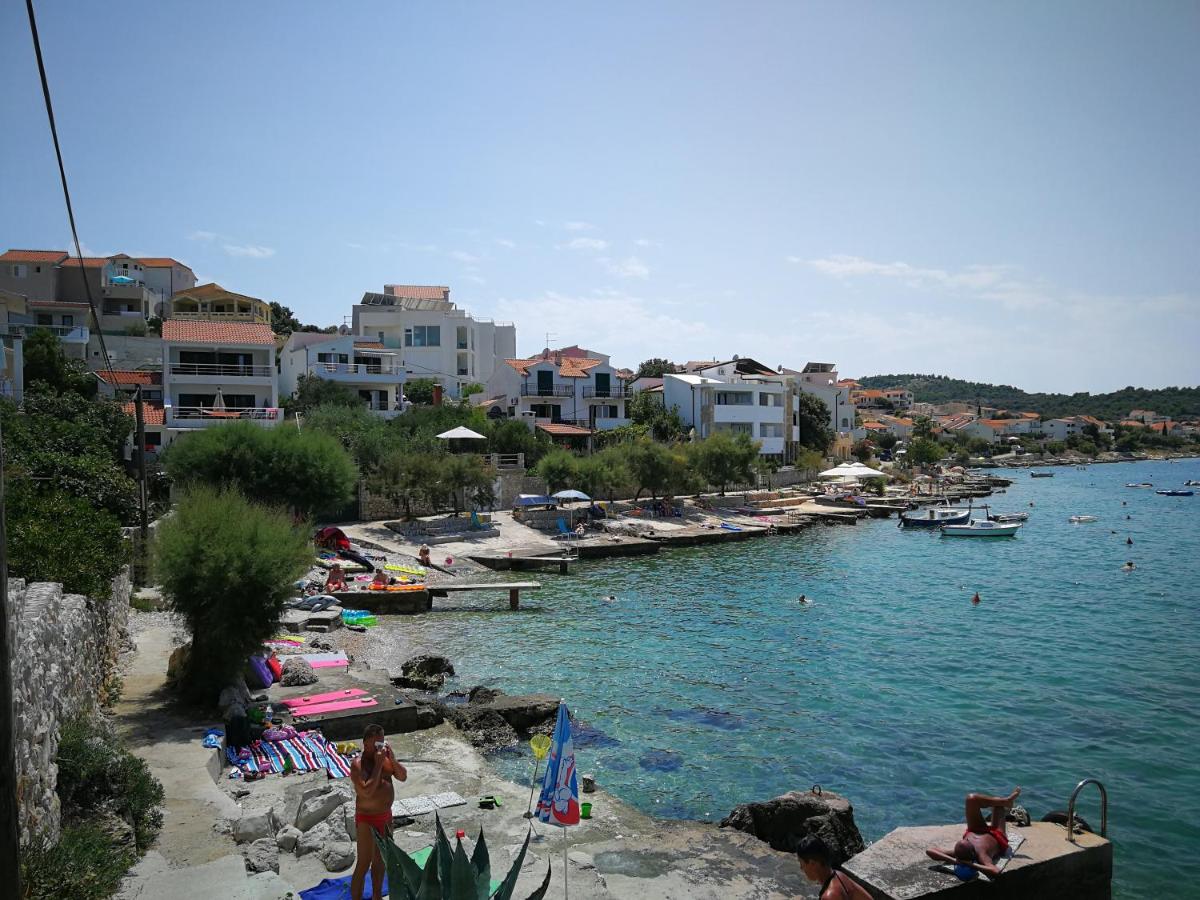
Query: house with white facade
[
  {"x": 564, "y": 395},
  {"x": 1061, "y": 429},
  {"x": 821, "y": 380},
  {"x": 358, "y": 363},
  {"x": 999, "y": 430},
  {"x": 218, "y": 371},
  {"x": 739, "y": 396},
  {"x": 433, "y": 337}
]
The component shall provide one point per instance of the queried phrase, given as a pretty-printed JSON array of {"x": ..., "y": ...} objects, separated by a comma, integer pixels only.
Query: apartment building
[
  {"x": 564, "y": 395},
  {"x": 360, "y": 364},
  {"x": 14, "y": 321},
  {"x": 821, "y": 381},
  {"x": 1061, "y": 429},
  {"x": 434, "y": 338},
  {"x": 740, "y": 396}
]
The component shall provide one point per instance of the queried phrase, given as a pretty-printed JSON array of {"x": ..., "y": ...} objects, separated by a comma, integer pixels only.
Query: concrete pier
[{"x": 1045, "y": 866}]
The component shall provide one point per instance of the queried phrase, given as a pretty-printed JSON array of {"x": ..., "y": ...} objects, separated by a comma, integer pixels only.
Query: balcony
[
  {"x": 218, "y": 370},
  {"x": 612, "y": 393},
  {"x": 371, "y": 373},
  {"x": 70, "y": 334},
  {"x": 204, "y": 416},
  {"x": 555, "y": 390}
]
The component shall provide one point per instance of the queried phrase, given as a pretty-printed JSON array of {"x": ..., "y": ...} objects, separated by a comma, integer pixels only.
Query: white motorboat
[
  {"x": 1077, "y": 520},
  {"x": 935, "y": 516},
  {"x": 1009, "y": 518},
  {"x": 981, "y": 528}
]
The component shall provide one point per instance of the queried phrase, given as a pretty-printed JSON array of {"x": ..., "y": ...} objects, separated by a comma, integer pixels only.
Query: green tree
[
  {"x": 53, "y": 536},
  {"x": 419, "y": 391},
  {"x": 473, "y": 388},
  {"x": 313, "y": 391},
  {"x": 603, "y": 474},
  {"x": 922, "y": 452},
  {"x": 227, "y": 566},
  {"x": 559, "y": 468},
  {"x": 308, "y": 472},
  {"x": 514, "y": 436},
  {"x": 47, "y": 362},
  {"x": 650, "y": 466},
  {"x": 923, "y": 428},
  {"x": 863, "y": 450},
  {"x": 655, "y": 368},
  {"x": 365, "y": 436},
  {"x": 886, "y": 440},
  {"x": 809, "y": 462},
  {"x": 466, "y": 476},
  {"x": 812, "y": 420},
  {"x": 663, "y": 424},
  {"x": 410, "y": 479},
  {"x": 283, "y": 320},
  {"x": 722, "y": 459}
]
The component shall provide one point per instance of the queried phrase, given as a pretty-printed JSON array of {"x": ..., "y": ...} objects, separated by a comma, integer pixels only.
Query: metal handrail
[
  {"x": 1103, "y": 808},
  {"x": 613, "y": 393},
  {"x": 246, "y": 371},
  {"x": 353, "y": 369},
  {"x": 231, "y": 412},
  {"x": 556, "y": 390}
]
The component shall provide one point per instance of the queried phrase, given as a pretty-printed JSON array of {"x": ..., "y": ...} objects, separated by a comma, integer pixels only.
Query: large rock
[
  {"x": 261, "y": 856},
  {"x": 316, "y": 804},
  {"x": 426, "y": 672},
  {"x": 525, "y": 711},
  {"x": 287, "y": 837},
  {"x": 481, "y": 693},
  {"x": 337, "y": 856},
  {"x": 483, "y": 727},
  {"x": 787, "y": 820},
  {"x": 177, "y": 663},
  {"x": 256, "y": 824},
  {"x": 297, "y": 671},
  {"x": 315, "y": 839}
]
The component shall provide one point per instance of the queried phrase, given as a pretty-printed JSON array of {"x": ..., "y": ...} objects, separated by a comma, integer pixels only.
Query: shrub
[
  {"x": 53, "y": 536},
  {"x": 723, "y": 459},
  {"x": 419, "y": 390},
  {"x": 313, "y": 391},
  {"x": 227, "y": 566},
  {"x": 559, "y": 468},
  {"x": 306, "y": 471},
  {"x": 46, "y": 361},
  {"x": 362, "y": 434},
  {"x": 84, "y": 865}
]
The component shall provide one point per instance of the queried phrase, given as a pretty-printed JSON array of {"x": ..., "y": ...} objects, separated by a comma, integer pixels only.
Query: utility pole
[
  {"x": 10, "y": 840},
  {"x": 143, "y": 524}
]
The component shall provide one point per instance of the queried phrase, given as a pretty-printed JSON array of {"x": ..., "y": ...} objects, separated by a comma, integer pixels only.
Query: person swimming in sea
[
  {"x": 611, "y": 598},
  {"x": 975, "y": 601},
  {"x": 1128, "y": 567},
  {"x": 1129, "y": 541},
  {"x": 803, "y": 599}
]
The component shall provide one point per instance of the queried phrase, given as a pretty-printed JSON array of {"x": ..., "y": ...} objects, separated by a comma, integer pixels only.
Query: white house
[
  {"x": 996, "y": 430},
  {"x": 433, "y": 337},
  {"x": 821, "y": 380},
  {"x": 1061, "y": 429},
  {"x": 740, "y": 396},
  {"x": 217, "y": 372},
  {"x": 358, "y": 363},
  {"x": 559, "y": 389}
]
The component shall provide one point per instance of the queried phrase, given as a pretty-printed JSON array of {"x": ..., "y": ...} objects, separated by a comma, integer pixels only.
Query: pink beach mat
[
  {"x": 325, "y": 660},
  {"x": 318, "y": 699},
  {"x": 336, "y": 706}
]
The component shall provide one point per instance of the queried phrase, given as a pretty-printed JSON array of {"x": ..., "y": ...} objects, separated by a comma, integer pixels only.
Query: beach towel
[
  {"x": 426, "y": 803},
  {"x": 966, "y": 873},
  {"x": 315, "y": 699},
  {"x": 325, "y": 660},
  {"x": 332, "y": 706},
  {"x": 309, "y": 751}
]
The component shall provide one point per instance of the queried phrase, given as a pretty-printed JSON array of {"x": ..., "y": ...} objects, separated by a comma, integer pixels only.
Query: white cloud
[
  {"x": 251, "y": 251},
  {"x": 579, "y": 226},
  {"x": 505, "y": 242},
  {"x": 463, "y": 256},
  {"x": 203, "y": 236},
  {"x": 584, "y": 243},
  {"x": 843, "y": 266},
  {"x": 478, "y": 279},
  {"x": 630, "y": 267},
  {"x": 647, "y": 242}
]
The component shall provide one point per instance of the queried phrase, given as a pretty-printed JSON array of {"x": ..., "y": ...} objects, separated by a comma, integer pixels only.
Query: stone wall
[{"x": 64, "y": 649}]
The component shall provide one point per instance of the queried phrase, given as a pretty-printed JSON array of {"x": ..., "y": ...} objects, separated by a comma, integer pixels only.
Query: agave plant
[{"x": 448, "y": 874}]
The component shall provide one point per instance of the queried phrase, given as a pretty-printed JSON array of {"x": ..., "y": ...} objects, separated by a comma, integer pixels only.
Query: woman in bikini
[
  {"x": 372, "y": 775},
  {"x": 816, "y": 860},
  {"x": 985, "y": 841}
]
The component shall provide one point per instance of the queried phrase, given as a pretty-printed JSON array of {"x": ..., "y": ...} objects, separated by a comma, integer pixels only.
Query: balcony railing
[
  {"x": 248, "y": 371},
  {"x": 202, "y": 415},
  {"x": 614, "y": 393},
  {"x": 554, "y": 390},
  {"x": 244, "y": 316},
  {"x": 330, "y": 368},
  {"x": 70, "y": 333},
  {"x": 504, "y": 460}
]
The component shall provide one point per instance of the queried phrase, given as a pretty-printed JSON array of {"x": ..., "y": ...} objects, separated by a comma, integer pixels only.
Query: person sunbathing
[
  {"x": 336, "y": 580},
  {"x": 984, "y": 842}
]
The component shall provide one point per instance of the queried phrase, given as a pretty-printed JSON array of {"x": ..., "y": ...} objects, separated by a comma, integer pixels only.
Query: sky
[{"x": 1000, "y": 192}]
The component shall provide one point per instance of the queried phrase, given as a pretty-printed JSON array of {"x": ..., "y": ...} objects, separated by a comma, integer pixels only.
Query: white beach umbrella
[{"x": 461, "y": 433}]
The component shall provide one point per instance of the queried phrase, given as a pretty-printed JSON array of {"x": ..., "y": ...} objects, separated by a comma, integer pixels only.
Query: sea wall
[{"x": 64, "y": 651}]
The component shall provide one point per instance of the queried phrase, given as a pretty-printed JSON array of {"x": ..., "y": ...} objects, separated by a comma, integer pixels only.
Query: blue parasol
[{"x": 558, "y": 803}]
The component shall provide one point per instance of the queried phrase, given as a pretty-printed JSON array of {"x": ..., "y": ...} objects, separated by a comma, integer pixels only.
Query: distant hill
[{"x": 1177, "y": 402}]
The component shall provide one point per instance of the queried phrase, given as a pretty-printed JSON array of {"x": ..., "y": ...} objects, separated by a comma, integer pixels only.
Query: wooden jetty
[
  {"x": 514, "y": 589},
  {"x": 515, "y": 561}
]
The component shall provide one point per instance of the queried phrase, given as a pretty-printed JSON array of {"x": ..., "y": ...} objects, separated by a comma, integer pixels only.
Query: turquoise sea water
[{"x": 707, "y": 684}]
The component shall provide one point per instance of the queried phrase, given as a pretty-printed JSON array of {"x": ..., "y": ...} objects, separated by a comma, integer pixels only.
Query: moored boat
[
  {"x": 1080, "y": 519},
  {"x": 1009, "y": 518},
  {"x": 981, "y": 528},
  {"x": 1140, "y": 484},
  {"x": 1174, "y": 493},
  {"x": 1191, "y": 483},
  {"x": 935, "y": 517},
  {"x": 1041, "y": 474}
]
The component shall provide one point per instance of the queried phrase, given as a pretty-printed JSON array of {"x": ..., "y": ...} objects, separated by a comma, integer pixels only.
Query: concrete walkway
[{"x": 189, "y": 859}]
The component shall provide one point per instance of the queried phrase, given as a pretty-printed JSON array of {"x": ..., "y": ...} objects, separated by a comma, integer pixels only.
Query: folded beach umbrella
[{"x": 559, "y": 800}]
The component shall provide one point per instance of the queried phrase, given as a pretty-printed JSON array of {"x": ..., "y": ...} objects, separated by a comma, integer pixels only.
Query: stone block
[
  {"x": 261, "y": 856},
  {"x": 254, "y": 825},
  {"x": 287, "y": 837},
  {"x": 337, "y": 856},
  {"x": 316, "y": 808}
]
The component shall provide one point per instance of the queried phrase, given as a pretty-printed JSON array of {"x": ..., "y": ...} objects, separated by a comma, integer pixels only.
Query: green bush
[
  {"x": 95, "y": 770},
  {"x": 419, "y": 390},
  {"x": 313, "y": 391},
  {"x": 722, "y": 459},
  {"x": 84, "y": 865},
  {"x": 559, "y": 469},
  {"x": 227, "y": 566},
  {"x": 53, "y": 536},
  {"x": 308, "y": 471}
]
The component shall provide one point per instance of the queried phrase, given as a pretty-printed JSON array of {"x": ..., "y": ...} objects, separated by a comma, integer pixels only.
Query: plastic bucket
[{"x": 585, "y": 810}]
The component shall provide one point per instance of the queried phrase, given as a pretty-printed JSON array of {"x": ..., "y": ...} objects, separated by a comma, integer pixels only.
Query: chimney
[{"x": 437, "y": 394}]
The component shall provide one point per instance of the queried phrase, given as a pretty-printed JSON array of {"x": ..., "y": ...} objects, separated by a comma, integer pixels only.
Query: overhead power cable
[{"x": 62, "y": 172}]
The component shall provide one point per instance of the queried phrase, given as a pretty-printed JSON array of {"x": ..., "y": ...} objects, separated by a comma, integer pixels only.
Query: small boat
[
  {"x": 1175, "y": 493},
  {"x": 1140, "y": 484},
  {"x": 1041, "y": 474},
  {"x": 981, "y": 528},
  {"x": 1009, "y": 518},
  {"x": 1077, "y": 520},
  {"x": 935, "y": 517},
  {"x": 1191, "y": 483}
]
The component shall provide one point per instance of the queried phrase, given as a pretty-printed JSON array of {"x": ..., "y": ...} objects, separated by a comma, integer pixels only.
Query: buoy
[
  {"x": 975, "y": 600},
  {"x": 1129, "y": 541}
]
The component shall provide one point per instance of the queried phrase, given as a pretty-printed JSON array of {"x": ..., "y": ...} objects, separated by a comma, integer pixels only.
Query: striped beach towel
[{"x": 309, "y": 751}]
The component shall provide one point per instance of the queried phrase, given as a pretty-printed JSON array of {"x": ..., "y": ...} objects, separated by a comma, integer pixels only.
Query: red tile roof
[
  {"x": 565, "y": 430},
  {"x": 217, "y": 332},
  {"x": 568, "y": 367},
  {"x": 152, "y": 411},
  {"x": 34, "y": 256},
  {"x": 88, "y": 262},
  {"x": 418, "y": 291},
  {"x": 131, "y": 376},
  {"x": 161, "y": 262}
]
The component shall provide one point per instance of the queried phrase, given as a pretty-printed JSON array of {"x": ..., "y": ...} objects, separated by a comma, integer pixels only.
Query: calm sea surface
[{"x": 708, "y": 684}]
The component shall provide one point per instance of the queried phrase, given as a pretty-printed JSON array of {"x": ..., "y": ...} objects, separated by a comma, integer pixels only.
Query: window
[
  {"x": 20, "y": 271},
  {"x": 735, "y": 427},
  {"x": 461, "y": 340},
  {"x": 765, "y": 399},
  {"x": 734, "y": 398},
  {"x": 770, "y": 430},
  {"x": 423, "y": 336},
  {"x": 68, "y": 321}
]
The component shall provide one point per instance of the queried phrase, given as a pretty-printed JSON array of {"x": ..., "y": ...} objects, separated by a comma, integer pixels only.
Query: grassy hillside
[{"x": 1177, "y": 402}]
